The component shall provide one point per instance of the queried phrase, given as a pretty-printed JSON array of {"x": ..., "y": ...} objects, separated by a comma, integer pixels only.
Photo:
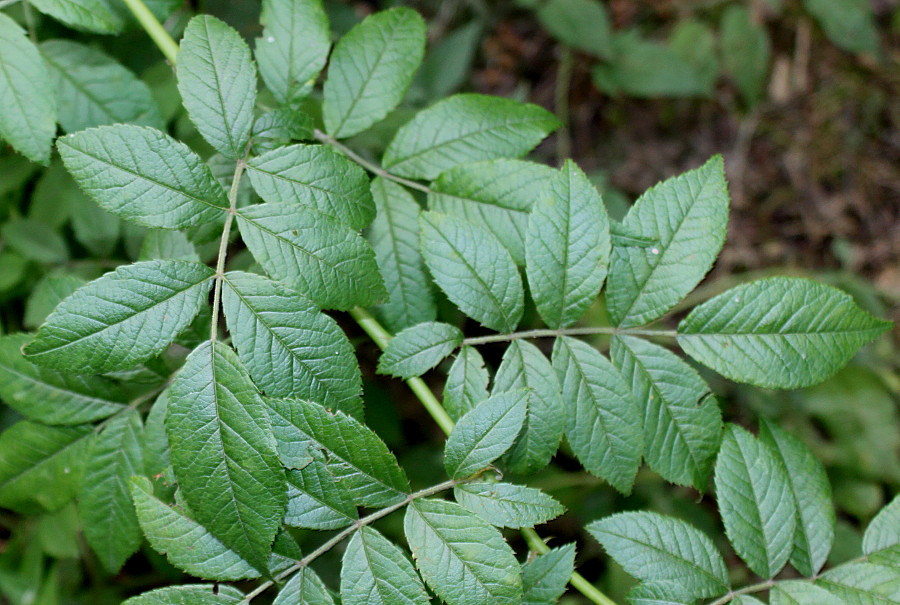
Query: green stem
[
  {"x": 223, "y": 248},
  {"x": 561, "y": 104},
  {"x": 745, "y": 590},
  {"x": 480, "y": 340},
  {"x": 29, "y": 22},
  {"x": 381, "y": 337},
  {"x": 343, "y": 534},
  {"x": 154, "y": 29}
]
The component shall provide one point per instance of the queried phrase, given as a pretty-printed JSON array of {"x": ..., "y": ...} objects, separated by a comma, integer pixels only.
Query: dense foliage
[{"x": 202, "y": 399}]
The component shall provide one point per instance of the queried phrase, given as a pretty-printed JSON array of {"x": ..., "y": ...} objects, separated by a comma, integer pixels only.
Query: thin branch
[
  {"x": 223, "y": 248},
  {"x": 745, "y": 590},
  {"x": 561, "y": 104},
  {"x": 370, "y": 166},
  {"x": 480, "y": 340},
  {"x": 166, "y": 44},
  {"x": 347, "y": 531}
]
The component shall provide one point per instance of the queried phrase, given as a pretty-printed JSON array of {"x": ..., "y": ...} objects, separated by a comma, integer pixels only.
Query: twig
[
  {"x": 154, "y": 29},
  {"x": 223, "y": 248}
]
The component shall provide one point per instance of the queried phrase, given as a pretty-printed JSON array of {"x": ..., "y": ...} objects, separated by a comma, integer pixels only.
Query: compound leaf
[
  {"x": 317, "y": 176},
  {"x": 107, "y": 514},
  {"x": 687, "y": 216},
  {"x": 217, "y": 82},
  {"x": 290, "y": 347},
  {"x": 508, "y": 505},
  {"x": 485, "y": 433},
  {"x": 655, "y": 548},
  {"x": 320, "y": 257},
  {"x": 780, "y": 332},
  {"x": 28, "y": 119},
  {"x": 755, "y": 501},
  {"x": 682, "y": 421},
  {"x": 812, "y": 494},
  {"x": 376, "y": 572},
  {"x": 394, "y": 235},
  {"x": 467, "y": 383},
  {"x": 525, "y": 367},
  {"x": 293, "y": 48},
  {"x": 49, "y": 396},
  {"x": 416, "y": 350},
  {"x": 370, "y": 70},
  {"x": 544, "y": 578},
  {"x": 473, "y": 269},
  {"x": 224, "y": 454},
  {"x": 497, "y": 194},
  {"x": 144, "y": 176},
  {"x": 441, "y": 536},
  {"x": 105, "y": 325},
  {"x": 357, "y": 457},
  {"x": 466, "y": 128},
  {"x": 567, "y": 248},
  {"x": 603, "y": 422},
  {"x": 42, "y": 466}
]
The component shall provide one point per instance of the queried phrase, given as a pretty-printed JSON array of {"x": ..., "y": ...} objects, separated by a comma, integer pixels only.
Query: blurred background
[{"x": 801, "y": 98}]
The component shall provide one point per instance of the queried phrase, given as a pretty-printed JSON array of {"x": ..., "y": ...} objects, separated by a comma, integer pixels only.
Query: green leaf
[
  {"x": 442, "y": 536},
  {"x": 107, "y": 514},
  {"x": 280, "y": 127},
  {"x": 41, "y": 467},
  {"x": 581, "y": 24},
  {"x": 603, "y": 422},
  {"x": 190, "y": 594},
  {"x": 49, "y": 396},
  {"x": 849, "y": 24},
  {"x": 863, "y": 584},
  {"x": 743, "y": 599},
  {"x": 48, "y": 293},
  {"x": 655, "y": 548},
  {"x": 35, "y": 241},
  {"x": 756, "y": 502},
  {"x": 224, "y": 454},
  {"x": 165, "y": 244},
  {"x": 217, "y": 82},
  {"x": 317, "y": 176},
  {"x": 779, "y": 332},
  {"x": 394, "y": 236},
  {"x": 508, "y": 505},
  {"x": 304, "y": 588},
  {"x": 687, "y": 215},
  {"x": 94, "y": 90},
  {"x": 321, "y": 258},
  {"x": 812, "y": 494},
  {"x": 883, "y": 531},
  {"x": 567, "y": 248},
  {"x": 370, "y": 70},
  {"x": 525, "y": 367},
  {"x": 357, "y": 457},
  {"x": 466, "y": 128},
  {"x": 188, "y": 545},
  {"x": 801, "y": 593},
  {"x": 467, "y": 383},
  {"x": 746, "y": 52},
  {"x": 659, "y": 593},
  {"x": 473, "y": 269},
  {"x": 290, "y": 347},
  {"x": 496, "y": 194},
  {"x": 416, "y": 350},
  {"x": 103, "y": 326},
  {"x": 293, "y": 48},
  {"x": 376, "y": 572},
  {"x": 544, "y": 578},
  {"x": 88, "y": 15},
  {"x": 682, "y": 420},
  {"x": 143, "y": 176},
  {"x": 28, "y": 119},
  {"x": 316, "y": 500},
  {"x": 485, "y": 433},
  {"x": 155, "y": 442},
  {"x": 448, "y": 63},
  {"x": 695, "y": 43}
]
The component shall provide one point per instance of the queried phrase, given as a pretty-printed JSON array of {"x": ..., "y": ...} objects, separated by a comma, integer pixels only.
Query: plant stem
[
  {"x": 480, "y": 340},
  {"x": 370, "y": 166},
  {"x": 223, "y": 248},
  {"x": 29, "y": 21},
  {"x": 745, "y": 590},
  {"x": 154, "y": 29},
  {"x": 339, "y": 537},
  {"x": 561, "y": 104},
  {"x": 381, "y": 337}
]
